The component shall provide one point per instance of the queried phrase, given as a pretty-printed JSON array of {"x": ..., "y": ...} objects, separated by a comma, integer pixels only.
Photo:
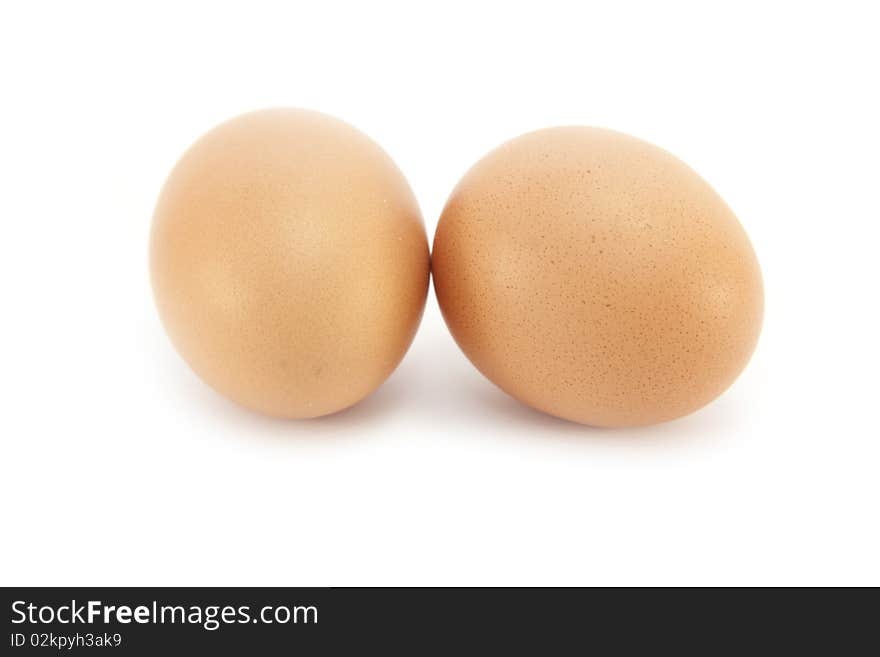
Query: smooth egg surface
[
  {"x": 289, "y": 262},
  {"x": 597, "y": 278}
]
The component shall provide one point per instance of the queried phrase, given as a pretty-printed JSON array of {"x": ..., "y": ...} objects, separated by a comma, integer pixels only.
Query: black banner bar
[{"x": 135, "y": 621}]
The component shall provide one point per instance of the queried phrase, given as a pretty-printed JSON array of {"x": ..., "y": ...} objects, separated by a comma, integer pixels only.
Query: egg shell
[
  {"x": 289, "y": 262},
  {"x": 597, "y": 278}
]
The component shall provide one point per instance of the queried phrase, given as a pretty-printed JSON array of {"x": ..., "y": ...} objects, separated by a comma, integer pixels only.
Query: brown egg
[
  {"x": 597, "y": 278},
  {"x": 289, "y": 262}
]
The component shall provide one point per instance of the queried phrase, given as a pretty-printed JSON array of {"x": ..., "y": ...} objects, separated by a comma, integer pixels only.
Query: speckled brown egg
[
  {"x": 597, "y": 278},
  {"x": 289, "y": 262}
]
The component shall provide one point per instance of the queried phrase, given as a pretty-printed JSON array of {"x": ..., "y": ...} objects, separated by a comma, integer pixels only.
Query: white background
[{"x": 119, "y": 467}]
